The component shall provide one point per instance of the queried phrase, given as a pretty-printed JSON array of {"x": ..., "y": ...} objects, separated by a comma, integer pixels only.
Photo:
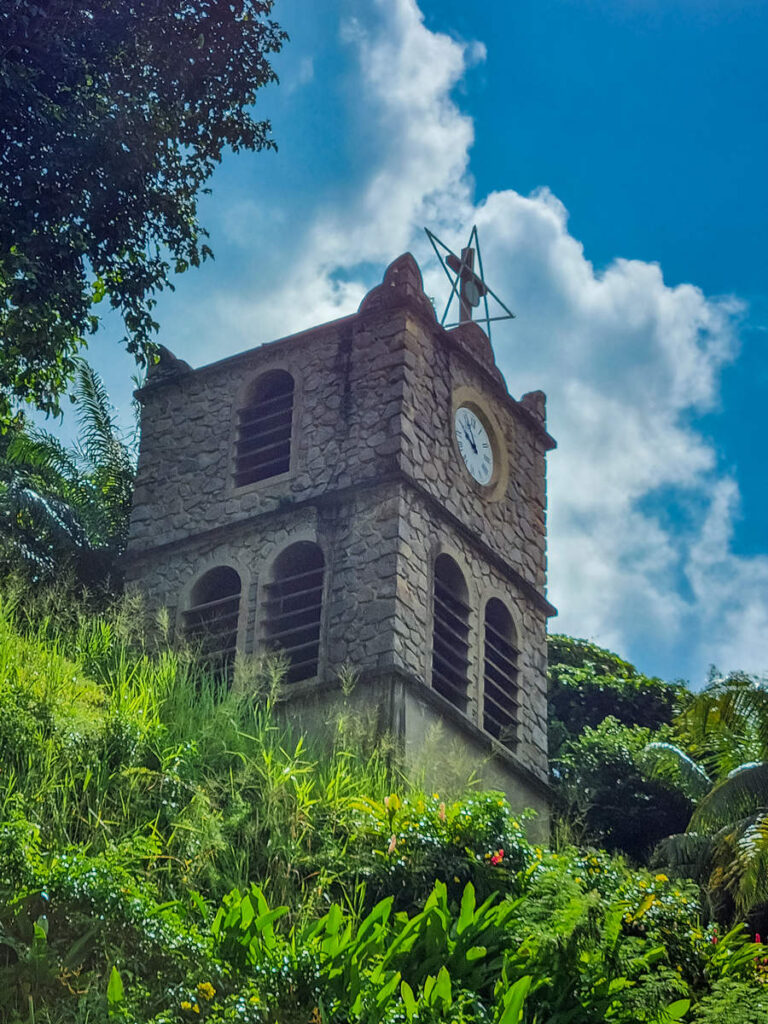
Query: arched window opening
[
  {"x": 450, "y": 635},
  {"x": 293, "y": 608},
  {"x": 500, "y": 691},
  {"x": 264, "y": 429},
  {"x": 211, "y": 621}
]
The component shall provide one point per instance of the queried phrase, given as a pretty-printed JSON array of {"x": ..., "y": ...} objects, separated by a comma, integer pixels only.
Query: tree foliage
[
  {"x": 603, "y": 714},
  {"x": 66, "y": 510},
  {"x": 610, "y": 795},
  {"x": 723, "y": 736},
  {"x": 588, "y": 684},
  {"x": 113, "y": 116}
]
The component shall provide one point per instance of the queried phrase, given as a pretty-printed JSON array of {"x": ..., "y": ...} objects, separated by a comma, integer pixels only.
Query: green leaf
[
  {"x": 386, "y": 991},
  {"x": 512, "y": 1003},
  {"x": 406, "y": 992},
  {"x": 443, "y": 987},
  {"x": 115, "y": 993},
  {"x": 476, "y": 953},
  {"x": 678, "y": 1009},
  {"x": 467, "y": 911}
]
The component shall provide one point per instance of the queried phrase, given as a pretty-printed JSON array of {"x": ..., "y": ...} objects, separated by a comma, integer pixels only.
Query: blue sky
[{"x": 613, "y": 154}]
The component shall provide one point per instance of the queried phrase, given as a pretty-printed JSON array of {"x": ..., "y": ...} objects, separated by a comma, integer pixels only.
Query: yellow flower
[
  {"x": 186, "y": 1005},
  {"x": 577, "y": 879},
  {"x": 206, "y": 990},
  {"x": 661, "y": 878},
  {"x": 196, "y": 1008}
]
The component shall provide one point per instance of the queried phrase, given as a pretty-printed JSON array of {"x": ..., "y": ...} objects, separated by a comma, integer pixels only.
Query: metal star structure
[{"x": 467, "y": 286}]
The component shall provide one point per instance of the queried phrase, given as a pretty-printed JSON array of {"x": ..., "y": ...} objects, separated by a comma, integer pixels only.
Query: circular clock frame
[{"x": 469, "y": 398}]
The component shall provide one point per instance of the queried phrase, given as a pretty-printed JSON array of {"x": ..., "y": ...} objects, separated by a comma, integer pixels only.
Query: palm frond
[
  {"x": 664, "y": 758},
  {"x": 688, "y": 854},
  {"x": 68, "y": 506},
  {"x": 743, "y": 792},
  {"x": 752, "y": 885},
  {"x": 42, "y": 530},
  {"x": 99, "y": 439},
  {"x": 42, "y": 453}
]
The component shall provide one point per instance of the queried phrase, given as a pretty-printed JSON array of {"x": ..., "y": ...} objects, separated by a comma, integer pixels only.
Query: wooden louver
[
  {"x": 500, "y": 691},
  {"x": 264, "y": 430},
  {"x": 211, "y": 621},
  {"x": 293, "y": 609},
  {"x": 450, "y": 633}
]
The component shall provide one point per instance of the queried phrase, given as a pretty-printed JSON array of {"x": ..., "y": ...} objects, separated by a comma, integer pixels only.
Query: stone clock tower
[{"x": 366, "y": 493}]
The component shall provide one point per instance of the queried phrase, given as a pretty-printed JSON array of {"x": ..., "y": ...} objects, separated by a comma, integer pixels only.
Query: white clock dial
[{"x": 474, "y": 444}]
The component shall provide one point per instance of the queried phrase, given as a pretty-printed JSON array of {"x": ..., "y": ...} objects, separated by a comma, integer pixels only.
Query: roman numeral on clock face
[{"x": 474, "y": 444}]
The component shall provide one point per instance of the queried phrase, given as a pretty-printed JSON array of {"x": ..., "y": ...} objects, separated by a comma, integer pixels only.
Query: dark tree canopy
[
  {"x": 112, "y": 117},
  {"x": 588, "y": 683}
]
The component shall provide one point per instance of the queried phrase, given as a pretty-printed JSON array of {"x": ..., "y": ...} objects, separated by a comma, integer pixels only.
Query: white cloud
[
  {"x": 625, "y": 359},
  {"x": 302, "y": 74}
]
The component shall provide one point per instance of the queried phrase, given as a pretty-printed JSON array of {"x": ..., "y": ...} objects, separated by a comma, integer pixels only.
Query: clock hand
[{"x": 471, "y": 440}]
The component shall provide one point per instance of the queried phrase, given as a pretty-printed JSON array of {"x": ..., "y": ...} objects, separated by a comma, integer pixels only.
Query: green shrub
[{"x": 150, "y": 820}]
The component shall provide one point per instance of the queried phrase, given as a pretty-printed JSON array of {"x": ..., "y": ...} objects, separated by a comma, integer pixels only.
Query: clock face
[{"x": 474, "y": 444}]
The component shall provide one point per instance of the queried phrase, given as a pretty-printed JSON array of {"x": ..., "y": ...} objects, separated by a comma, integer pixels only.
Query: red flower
[{"x": 497, "y": 858}]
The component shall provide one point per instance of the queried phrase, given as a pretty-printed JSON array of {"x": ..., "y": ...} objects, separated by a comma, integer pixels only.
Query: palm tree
[
  {"x": 723, "y": 763},
  {"x": 66, "y": 510}
]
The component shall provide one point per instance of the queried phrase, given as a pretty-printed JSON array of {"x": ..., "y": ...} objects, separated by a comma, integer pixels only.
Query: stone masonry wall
[
  {"x": 422, "y": 539},
  {"x": 375, "y": 479},
  {"x": 347, "y": 401},
  {"x": 514, "y": 525}
]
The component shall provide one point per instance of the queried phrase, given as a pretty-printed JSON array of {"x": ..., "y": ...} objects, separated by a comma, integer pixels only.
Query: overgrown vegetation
[
  {"x": 64, "y": 511},
  {"x": 171, "y": 851},
  {"x": 666, "y": 776}
]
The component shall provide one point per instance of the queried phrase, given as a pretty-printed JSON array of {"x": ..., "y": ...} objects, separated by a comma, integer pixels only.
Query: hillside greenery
[
  {"x": 171, "y": 850},
  {"x": 666, "y": 776}
]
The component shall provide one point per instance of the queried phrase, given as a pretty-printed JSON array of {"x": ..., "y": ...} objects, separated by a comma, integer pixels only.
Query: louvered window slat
[
  {"x": 500, "y": 691},
  {"x": 211, "y": 623},
  {"x": 292, "y": 610},
  {"x": 263, "y": 447},
  {"x": 450, "y": 633}
]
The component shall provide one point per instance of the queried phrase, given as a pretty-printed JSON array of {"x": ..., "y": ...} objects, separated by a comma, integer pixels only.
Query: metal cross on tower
[{"x": 466, "y": 283}]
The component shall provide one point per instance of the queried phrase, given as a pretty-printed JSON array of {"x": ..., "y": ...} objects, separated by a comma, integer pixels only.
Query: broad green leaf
[
  {"x": 386, "y": 991},
  {"x": 476, "y": 953},
  {"x": 115, "y": 992},
  {"x": 678, "y": 1009},
  {"x": 333, "y": 919},
  {"x": 467, "y": 911},
  {"x": 409, "y": 1002},
  {"x": 443, "y": 987},
  {"x": 247, "y": 913},
  {"x": 513, "y": 1000}
]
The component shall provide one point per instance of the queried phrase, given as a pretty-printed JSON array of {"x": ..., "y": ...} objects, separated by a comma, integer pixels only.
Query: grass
[
  {"x": 138, "y": 794},
  {"x": 110, "y": 738}
]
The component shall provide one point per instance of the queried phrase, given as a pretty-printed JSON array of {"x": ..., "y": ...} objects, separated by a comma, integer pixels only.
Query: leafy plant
[{"x": 67, "y": 510}]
